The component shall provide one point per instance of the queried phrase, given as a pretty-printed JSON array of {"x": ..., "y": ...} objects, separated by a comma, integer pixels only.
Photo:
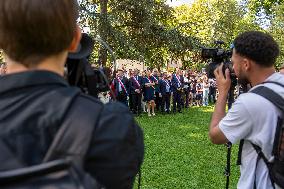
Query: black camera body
[
  {"x": 217, "y": 56},
  {"x": 80, "y": 73}
]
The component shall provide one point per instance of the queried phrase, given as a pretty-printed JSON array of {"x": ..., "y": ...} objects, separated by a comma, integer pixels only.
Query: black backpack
[
  {"x": 62, "y": 167},
  {"x": 275, "y": 168}
]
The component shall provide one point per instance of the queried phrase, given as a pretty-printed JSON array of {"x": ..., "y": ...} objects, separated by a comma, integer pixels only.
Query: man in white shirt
[{"x": 251, "y": 117}]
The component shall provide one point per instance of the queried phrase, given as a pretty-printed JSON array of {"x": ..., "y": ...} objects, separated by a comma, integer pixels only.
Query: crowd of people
[{"x": 151, "y": 91}]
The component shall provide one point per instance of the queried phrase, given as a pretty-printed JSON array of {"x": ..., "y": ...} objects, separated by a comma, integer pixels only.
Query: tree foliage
[
  {"x": 259, "y": 7},
  {"x": 157, "y": 33},
  {"x": 277, "y": 30}
]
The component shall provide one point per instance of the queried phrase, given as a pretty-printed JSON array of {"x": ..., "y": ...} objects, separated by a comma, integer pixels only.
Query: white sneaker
[
  {"x": 153, "y": 114},
  {"x": 149, "y": 115}
]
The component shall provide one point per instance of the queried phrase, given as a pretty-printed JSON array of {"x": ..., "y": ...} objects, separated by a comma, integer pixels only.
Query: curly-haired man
[{"x": 251, "y": 117}]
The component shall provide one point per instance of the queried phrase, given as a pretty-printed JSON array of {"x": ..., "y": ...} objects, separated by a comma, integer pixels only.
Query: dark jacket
[
  {"x": 155, "y": 79},
  {"x": 177, "y": 83},
  {"x": 163, "y": 86},
  {"x": 125, "y": 82},
  {"x": 133, "y": 84},
  {"x": 34, "y": 104}
]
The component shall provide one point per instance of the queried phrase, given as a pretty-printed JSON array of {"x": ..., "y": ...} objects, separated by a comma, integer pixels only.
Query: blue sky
[{"x": 179, "y": 2}]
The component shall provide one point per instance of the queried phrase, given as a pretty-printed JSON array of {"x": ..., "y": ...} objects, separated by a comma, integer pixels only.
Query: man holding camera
[
  {"x": 252, "y": 117},
  {"x": 36, "y": 101}
]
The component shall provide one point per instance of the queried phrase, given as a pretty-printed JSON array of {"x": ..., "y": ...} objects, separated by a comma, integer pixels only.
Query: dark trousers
[
  {"x": 177, "y": 101},
  {"x": 182, "y": 99},
  {"x": 186, "y": 98},
  {"x": 158, "y": 101},
  {"x": 121, "y": 97},
  {"x": 136, "y": 103},
  {"x": 130, "y": 103},
  {"x": 212, "y": 96},
  {"x": 166, "y": 100}
]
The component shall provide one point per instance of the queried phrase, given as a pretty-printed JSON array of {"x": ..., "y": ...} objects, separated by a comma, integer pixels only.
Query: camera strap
[{"x": 228, "y": 166}]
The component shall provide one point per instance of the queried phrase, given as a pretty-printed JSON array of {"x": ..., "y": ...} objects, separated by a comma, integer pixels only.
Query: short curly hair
[{"x": 257, "y": 46}]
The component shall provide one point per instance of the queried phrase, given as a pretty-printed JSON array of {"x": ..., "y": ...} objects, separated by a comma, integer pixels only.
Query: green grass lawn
[{"x": 178, "y": 153}]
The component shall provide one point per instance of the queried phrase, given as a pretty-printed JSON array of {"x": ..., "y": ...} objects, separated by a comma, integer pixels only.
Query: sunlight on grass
[{"x": 179, "y": 154}]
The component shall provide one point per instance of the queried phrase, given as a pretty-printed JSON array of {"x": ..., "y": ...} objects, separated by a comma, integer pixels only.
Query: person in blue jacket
[
  {"x": 165, "y": 91},
  {"x": 177, "y": 84},
  {"x": 155, "y": 79}
]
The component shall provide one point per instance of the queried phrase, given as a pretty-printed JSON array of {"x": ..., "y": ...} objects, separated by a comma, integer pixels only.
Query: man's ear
[
  {"x": 247, "y": 64},
  {"x": 76, "y": 40}
]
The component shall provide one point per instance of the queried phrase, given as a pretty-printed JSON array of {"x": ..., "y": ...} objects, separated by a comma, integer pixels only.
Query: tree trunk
[{"x": 103, "y": 30}]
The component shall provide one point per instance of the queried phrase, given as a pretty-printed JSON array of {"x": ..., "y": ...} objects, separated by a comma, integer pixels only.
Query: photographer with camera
[
  {"x": 252, "y": 117},
  {"x": 39, "y": 108}
]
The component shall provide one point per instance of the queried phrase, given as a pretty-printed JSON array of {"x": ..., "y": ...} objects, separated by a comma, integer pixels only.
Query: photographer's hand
[{"x": 223, "y": 82}]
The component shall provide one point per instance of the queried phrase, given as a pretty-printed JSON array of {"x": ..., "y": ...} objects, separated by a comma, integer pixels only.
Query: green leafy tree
[
  {"x": 211, "y": 20},
  {"x": 277, "y": 30}
]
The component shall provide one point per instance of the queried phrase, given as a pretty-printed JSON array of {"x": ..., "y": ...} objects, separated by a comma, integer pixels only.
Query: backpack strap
[
  {"x": 239, "y": 160},
  {"x": 274, "y": 98},
  {"x": 74, "y": 136},
  {"x": 270, "y": 95},
  {"x": 274, "y": 82},
  {"x": 278, "y": 101},
  {"x": 260, "y": 155}
]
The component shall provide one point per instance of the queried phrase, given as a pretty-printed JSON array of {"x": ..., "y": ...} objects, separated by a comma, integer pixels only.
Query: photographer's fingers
[
  {"x": 227, "y": 72},
  {"x": 218, "y": 71}
]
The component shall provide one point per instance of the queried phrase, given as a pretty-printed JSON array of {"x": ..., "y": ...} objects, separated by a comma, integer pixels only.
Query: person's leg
[
  {"x": 174, "y": 101},
  {"x": 126, "y": 101},
  {"x": 131, "y": 104},
  {"x": 149, "y": 108},
  {"x": 134, "y": 103},
  {"x": 157, "y": 100},
  {"x": 153, "y": 107},
  {"x": 139, "y": 105},
  {"x": 163, "y": 103},
  {"x": 206, "y": 98},
  {"x": 203, "y": 99},
  {"x": 160, "y": 103},
  {"x": 179, "y": 102},
  {"x": 168, "y": 102},
  {"x": 190, "y": 99},
  {"x": 186, "y": 98}
]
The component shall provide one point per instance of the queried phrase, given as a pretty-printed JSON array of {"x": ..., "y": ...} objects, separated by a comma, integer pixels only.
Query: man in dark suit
[
  {"x": 121, "y": 87},
  {"x": 177, "y": 84},
  {"x": 155, "y": 79},
  {"x": 135, "y": 90},
  {"x": 165, "y": 90}
]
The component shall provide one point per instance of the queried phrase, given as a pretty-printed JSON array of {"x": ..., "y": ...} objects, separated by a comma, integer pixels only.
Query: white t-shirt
[{"x": 254, "y": 119}]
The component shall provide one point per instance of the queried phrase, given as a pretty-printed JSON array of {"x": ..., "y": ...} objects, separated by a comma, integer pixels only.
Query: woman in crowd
[
  {"x": 199, "y": 91},
  {"x": 149, "y": 91},
  {"x": 205, "y": 91}
]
